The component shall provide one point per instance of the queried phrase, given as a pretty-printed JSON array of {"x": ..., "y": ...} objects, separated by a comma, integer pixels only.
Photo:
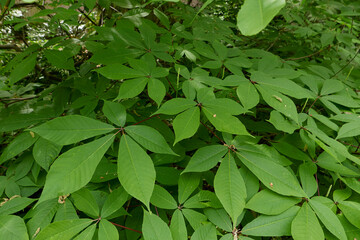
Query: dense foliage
[{"x": 171, "y": 120}]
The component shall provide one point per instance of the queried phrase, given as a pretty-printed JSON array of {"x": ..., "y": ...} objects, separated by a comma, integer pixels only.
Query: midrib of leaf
[
  {"x": 261, "y": 11},
  {"x": 133, "y": 166},
  {"x": 68, "y": 229}
]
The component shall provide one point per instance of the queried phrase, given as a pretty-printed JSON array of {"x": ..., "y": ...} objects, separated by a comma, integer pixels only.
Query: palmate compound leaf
[
  {"x": 274, "y": 176},
  {"x": 305, "y": 225},
  {"x": 71, "y": 129},
  {"x": 74, "y": 168},
  {"x": 136, "y": 170},
  {"x": 154, "y": 228},
  {"x": 255, "y": 15},
  {"x": 230, "y": 187}
]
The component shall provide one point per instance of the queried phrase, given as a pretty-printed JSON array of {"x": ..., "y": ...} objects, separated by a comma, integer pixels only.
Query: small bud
[
  {"x": 214, "y": 115},
  {"x": 271, "y": 184}
]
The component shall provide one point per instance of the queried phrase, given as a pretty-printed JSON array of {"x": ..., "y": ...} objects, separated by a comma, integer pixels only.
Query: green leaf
[
  {"x": 107, "y": 230},
  {"x": 114, "y": 202},
  {"x": 23, "y": 69},
  {"x": 67, "y": 176},
  {"x": 136, "y": 170},
  {"x": 271, "y": 226},
  {"x": 175, "y": 106},
  {"x": 272, "y": 175},
  {"x": 162, "y": 198},
  {"x": 63, "y": 229},
  {"x": 279, "y": 102},
  {"x": 162, "y": 17},
  {"x": 156, "y": 90},
  {"x": 281, "y": 123},
  {"x": 154, "y": 228},
  {"x": 149, "y": 138},
  {"x": 350, "y": 129},
  {"x": 118, "y": 71},
  {"x": 66, "y": 211},
  {"x": 225, "y": 122},
  {"x": 13, "y": 227},
  {"x": 71, "y": 129},
  {"x": 132, "y": 88},
  {"x": 331, "y": 86},
  {"x": 205, "y": 232},
  {"x": 42, "y": 215},
  {"x": 15, "y": 205},
  {"x": 341, "y": 194},
  {"x": 255, "y": 15},
  {"x": 305, "y": 225},
  {"x": 291, "y": 151},
  {"x": 329, "y": 219},
  {"x": 219, "y": 218},
  {"x": 60, "y": 59},
  {"x": 45, "y": 152},
  {"x": 115, "y": 112},
  {"x": 194, "y": 218},
  {"x": 85, "y": 202},
  {"x": 230, "y": 187},
  {"x": 205, "y": 158},
  {"x": 186, "y": 124},
  {"x": 188, "y": 182},
  {"x": 351, "y": 210},
  {"x": 18, "y": 145},
  {"x": 88, "y": 233},
  {"x": 224, "y": 105},
  {"x": 308, "y": 181},
  {"x": 270, "y": 203},
  {"x": 178, "y": 226},
  {"x": 352, "y": 183},
  {"x": 283, "y": 85},
  {"x": 247, "y": 94}
]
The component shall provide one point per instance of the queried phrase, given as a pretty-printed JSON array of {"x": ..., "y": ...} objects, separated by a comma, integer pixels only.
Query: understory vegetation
[{"x": 176, "y": 120}]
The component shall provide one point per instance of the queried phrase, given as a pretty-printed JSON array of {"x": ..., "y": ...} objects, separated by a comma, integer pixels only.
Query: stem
[
  {"x": 6, "y": 7},
  {"x": 144, "y": 120},
  {"x": 307, "y": 56},
  {"x": 213, "y": 133},
  {"x": 118, "y": 225},
  {"x": 352, "y": 59}
]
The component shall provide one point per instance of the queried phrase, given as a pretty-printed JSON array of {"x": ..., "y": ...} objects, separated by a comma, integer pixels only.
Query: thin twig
[
  {"x": 352, "y": 59},
  {"x": 144, "y": 120},
  {"x": 118, "y": 225},
  {"x": 307, "y": 56},
  {"x": 6, "y": 7},
  {"x": 212, "y": 132},
  {"x": 312, "y": 104},
  {"x": 87, "y": 17}
]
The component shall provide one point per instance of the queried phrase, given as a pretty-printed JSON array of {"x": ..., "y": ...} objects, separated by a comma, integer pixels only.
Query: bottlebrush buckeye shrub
[{"x": 157, "y": 120}]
